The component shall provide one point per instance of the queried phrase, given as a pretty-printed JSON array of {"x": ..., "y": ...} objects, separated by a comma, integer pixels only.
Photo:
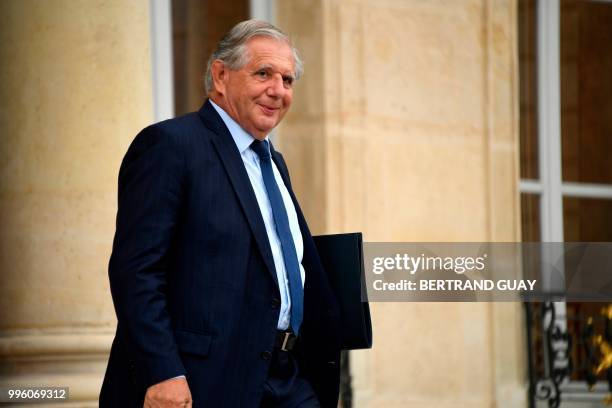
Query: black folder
[{"x": 342, "y": 258}]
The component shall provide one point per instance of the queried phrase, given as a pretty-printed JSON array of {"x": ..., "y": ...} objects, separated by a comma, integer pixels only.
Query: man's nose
[{"x": 276, "y": 87}]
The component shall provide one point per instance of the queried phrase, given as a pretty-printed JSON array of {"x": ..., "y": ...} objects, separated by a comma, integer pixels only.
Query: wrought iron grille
[{"x": 573, "y": 348}]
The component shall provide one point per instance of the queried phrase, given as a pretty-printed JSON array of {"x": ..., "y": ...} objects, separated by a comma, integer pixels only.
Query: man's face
[{"x": 258, "y": 95}]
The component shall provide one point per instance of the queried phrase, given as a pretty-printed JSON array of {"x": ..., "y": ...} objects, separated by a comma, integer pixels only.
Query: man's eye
[
  {"x": 288, "y": 80},
  {"x": 261, "y": 74}
]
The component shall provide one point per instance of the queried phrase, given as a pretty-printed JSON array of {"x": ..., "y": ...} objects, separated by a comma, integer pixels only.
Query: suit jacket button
[
  {"x": 266, "y": 355},
  {"x": 275, "y": 303}
]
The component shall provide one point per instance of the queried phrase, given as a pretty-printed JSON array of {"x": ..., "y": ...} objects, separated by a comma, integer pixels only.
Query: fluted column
[{"x": 75, "y": 87}]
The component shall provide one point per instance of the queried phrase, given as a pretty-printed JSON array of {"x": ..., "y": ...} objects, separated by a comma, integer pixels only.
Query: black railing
[
  {"x": 576, "y": 347},
  {"x": 346, "y": 388}
]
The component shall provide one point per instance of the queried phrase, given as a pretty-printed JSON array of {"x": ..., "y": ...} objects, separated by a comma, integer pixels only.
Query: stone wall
[{"x": 405, "y": 127}]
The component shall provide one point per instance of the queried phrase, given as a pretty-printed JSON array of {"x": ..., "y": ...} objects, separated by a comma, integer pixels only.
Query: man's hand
[{"x": 170, "y": 393}]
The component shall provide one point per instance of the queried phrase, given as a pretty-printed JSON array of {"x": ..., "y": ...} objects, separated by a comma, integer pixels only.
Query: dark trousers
[{"x": 285, "y": 388}]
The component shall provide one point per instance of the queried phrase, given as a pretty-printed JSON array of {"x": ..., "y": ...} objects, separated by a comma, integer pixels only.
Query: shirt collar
[{"x": 242, "y": 139}]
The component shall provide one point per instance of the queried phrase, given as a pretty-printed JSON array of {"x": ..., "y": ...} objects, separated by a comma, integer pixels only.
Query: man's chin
[{"x": 267, "y": 126}]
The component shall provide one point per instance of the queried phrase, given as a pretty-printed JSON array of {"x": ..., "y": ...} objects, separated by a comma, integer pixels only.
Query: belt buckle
[{"x": 286, "y": 338}]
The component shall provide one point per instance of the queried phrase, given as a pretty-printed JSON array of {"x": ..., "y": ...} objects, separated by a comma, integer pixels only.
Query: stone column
[
  {"x": 75, "y": 87},
  {"x": 405, "y": 127}
]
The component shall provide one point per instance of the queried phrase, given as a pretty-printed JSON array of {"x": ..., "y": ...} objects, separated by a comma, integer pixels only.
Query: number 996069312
[{"x": 32, "y": 393}]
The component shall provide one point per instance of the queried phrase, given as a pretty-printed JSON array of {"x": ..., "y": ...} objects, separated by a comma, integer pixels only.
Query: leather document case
[{"x": 342, "y": 258}]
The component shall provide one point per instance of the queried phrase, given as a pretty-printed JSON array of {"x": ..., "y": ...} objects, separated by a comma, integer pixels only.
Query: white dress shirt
[{"x": 250, "y": 159}]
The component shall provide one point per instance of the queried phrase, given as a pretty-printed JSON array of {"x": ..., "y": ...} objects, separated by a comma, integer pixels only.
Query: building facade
[{"x": 405, "y": 126}]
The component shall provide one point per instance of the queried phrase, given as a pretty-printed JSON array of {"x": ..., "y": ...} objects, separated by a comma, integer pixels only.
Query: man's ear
[{"x": 219, "y": 75}]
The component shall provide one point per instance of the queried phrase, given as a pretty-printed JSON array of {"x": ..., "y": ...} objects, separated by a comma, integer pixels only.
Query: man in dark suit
[{"x": 220, "y": 295}]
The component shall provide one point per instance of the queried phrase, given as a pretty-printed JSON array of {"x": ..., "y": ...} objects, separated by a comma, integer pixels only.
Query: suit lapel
[
  {"x": 280, "y": 164},
  {"x": 282, "y": 168},
  {"x": 234, "y": 166}
]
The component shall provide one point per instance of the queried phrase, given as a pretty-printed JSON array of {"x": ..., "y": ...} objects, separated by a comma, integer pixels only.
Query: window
[
  {"x": 565, "y": 62},
  {"x": 197, "y": 25}
]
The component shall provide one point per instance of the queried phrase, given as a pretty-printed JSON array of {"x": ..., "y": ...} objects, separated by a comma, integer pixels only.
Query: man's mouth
[{"x": 268, "y": 110}]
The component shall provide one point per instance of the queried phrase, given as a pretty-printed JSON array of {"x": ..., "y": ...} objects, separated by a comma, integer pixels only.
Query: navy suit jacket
[{"x": 193, "y": 279}]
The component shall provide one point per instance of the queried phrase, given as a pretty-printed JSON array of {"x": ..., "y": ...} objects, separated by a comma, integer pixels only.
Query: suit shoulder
[
  {"x": 169, "y": 138},
  {"x": 181, "y": 129},
  {"x": 178, "y": 133},
  {"x": 180, "y": 123}
]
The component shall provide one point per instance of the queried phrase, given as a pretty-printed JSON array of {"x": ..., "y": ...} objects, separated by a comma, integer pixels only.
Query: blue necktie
[{"x": 281, "y": 220}]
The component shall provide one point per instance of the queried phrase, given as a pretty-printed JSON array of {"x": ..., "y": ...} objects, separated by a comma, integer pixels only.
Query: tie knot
[{"x": 261, "y": 148}]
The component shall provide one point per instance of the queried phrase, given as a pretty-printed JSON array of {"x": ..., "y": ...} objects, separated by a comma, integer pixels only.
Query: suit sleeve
[{"x": 150, "y": 194}]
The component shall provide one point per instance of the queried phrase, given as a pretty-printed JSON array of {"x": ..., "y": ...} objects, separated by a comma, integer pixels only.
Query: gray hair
[{"x": 232, "y": 51}]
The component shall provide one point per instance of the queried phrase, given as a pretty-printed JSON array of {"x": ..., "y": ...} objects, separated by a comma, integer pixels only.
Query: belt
[{"x": 285, "y": 340}]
